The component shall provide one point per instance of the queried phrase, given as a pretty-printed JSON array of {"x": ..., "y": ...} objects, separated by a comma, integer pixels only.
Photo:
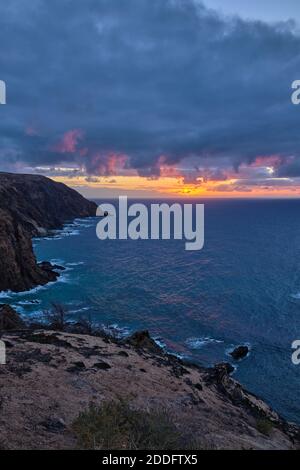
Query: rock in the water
[
  {"x": 10, "y": 319},
  {"x": 50, "y": 270},
  {"x": 47, "y": 266},
  {"x": 58, "y": 267},
  {"x": 240, "y": 352}
]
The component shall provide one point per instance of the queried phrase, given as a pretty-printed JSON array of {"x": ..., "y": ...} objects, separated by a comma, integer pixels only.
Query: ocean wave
[
  {"x": 78, "y": 310},
  {"x": 296, "y": 296},
  {"x": 64, "y": 278},
  {"x": 68, "y": 233},
  {"x": 36, "y": 315},
  {"x": 75, "y": 263},
  {"x": 19, "y": 309},
  {"x": 181, "y": 356},
  {"x": 6, "y": 294},
  {"x": 116, "y": 330},
  {"x": 58, "y": 261},
  {"x": 160, "y": 342},
  {"x": 197, "y": 343},
  {"x": 68, "y": 230},
  {"x": 10, "y": 294},
  {"x": 29, "y": 302}
]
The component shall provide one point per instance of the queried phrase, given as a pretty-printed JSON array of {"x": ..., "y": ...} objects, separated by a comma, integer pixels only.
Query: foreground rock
[
  {"x": 32, "y": 205},
  {"x": 9, "y": 319},
  {"x": 240, "y": 352},
  {"x": 51, "y": 376}
]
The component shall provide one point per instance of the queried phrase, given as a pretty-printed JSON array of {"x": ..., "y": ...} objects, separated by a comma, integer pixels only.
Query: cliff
[
  {"x": 31, "y": 205},
  {"x": 59, "y": 374}
]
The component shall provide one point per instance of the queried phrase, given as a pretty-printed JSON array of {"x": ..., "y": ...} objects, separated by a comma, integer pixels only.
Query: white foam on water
[
  {"x": 6, "y": 294},
  {"x": 57, "y": 261},
  {"x": 36, "y": 315},
  {"x": 64, "y": 278},
  {"x": 296, "y": 296},
  {"x": 69, "y": 229},
  {"x": 76, "y": 263},
  {"x": 29, "y": 302},
  {"x": 159, "y": 341},
  {"x": 78, "y": 310},
  {"x": 116, "y": 330},
  {"x": 198, "y": 343},
  {"x": 19, "y": 309}
]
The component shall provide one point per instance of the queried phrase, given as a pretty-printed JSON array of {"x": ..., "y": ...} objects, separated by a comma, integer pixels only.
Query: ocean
[{"x": 243, "y": 287}]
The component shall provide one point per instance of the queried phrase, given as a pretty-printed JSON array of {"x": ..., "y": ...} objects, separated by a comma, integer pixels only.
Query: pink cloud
[
  {"x": 106, "y": 164},
  {"x": 267, "y": 160},
  {"x": 69, "y": 141}
]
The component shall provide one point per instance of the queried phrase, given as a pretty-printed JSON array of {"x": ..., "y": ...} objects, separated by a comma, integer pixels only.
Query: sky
[
  {"x": 264, "y": 10},
  {"x": 160, "y": 98}
]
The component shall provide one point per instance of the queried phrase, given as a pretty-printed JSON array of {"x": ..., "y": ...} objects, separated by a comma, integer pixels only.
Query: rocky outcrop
[
  {"x": 239, "y": 396},
  {"x": 9, "y": 319},
  {"x": 59, "y": 374},
  {"x": 32, "y": 205},
  {"x": 143, "y": 340}
]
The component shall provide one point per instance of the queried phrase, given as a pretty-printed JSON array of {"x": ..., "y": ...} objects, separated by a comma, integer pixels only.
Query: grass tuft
[
  {"x": 116, "y": 425},
  {"x": 264, "y": 426}
]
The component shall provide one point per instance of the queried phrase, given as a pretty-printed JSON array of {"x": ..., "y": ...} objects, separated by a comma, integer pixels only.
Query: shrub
[
  {"x": 115, "y": 425},
  {"x": 56, "y": 316},
  {"x": 264, "y": 426}
]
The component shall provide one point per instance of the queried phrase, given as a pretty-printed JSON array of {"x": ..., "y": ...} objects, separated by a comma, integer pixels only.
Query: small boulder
[
  {"x": 10, "y": 319},
  {"x": 53, "y": 425},
  {"x": 76, "y": 367},
  {"x": 102, "y": 365},
  {"x": 240, "y": 352},
  {"x": 123, "y": 354}
]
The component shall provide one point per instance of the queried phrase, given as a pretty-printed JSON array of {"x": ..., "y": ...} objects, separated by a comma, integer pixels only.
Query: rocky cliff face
[{"x": 31, "y": 205}]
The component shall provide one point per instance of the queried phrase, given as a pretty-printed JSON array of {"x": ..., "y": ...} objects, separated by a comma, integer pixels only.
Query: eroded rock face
[{"x": 31, "y": 205}]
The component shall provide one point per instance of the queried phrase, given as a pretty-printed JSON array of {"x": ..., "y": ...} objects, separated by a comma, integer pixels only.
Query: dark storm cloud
[
  {"x": 290, "y": 167},
  {"x": 136, "y": 80}
]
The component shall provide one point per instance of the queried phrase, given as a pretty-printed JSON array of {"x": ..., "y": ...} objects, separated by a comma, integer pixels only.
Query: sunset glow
[{"x": 168, "y": 187}]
